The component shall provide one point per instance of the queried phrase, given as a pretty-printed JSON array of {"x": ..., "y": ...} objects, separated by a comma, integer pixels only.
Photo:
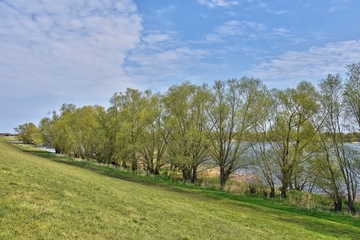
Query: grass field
[{"x": 47, "y": 197}]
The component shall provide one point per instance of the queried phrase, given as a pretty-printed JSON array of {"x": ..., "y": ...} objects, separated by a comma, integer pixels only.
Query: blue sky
[{"x": 83, "y": 51}]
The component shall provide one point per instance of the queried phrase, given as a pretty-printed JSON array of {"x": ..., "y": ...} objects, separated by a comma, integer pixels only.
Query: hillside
[{"x": 47, "y": 197}]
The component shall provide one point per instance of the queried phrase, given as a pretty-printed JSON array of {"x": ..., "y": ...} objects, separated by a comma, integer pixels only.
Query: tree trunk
[
  {"x": 283, "y": 193},
  {"x": 124, "y": 165},
  {"x": 272, "y": 192},
  {"x": 186, "y": 172},
  {"x": 194, "y": 175},
  {"x": 338, "y": 205},
  {"x": 134, "y": 165},
  {"x": 150, "y": 165},
  {"x": 224, "y": 176},
  {"x": 150, "y": 170},
  {"x": 286, "y": 181},
  {"x": 351, "y": 206}
]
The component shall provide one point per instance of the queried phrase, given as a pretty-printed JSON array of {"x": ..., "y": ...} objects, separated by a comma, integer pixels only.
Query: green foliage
[
  {"x": 232, "y": 114},
  {"x": 336, "y": 151},
  {"x": 28, "y": 133},
  {"x": 292, "y": 135},
  {"x": 185, "y": 119},
  {"x": 352, "y": 92}
]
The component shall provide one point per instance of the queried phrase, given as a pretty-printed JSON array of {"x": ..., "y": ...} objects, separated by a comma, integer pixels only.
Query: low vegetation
[{"x": 44, "y": 196}]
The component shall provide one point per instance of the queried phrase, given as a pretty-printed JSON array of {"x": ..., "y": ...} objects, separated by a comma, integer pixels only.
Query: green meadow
[{"x": 43, "y": 196}]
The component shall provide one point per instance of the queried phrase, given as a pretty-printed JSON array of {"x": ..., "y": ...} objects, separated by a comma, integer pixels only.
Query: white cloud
[
  {"x": 245, "y": 30},
  {"x": 313, "y": 64},
  {"x": 277, "y": 12},
  {"x": 280, "y": 31},
  {"x": 219, "y": 3},
  {"x": 336, "y": 8},
  {"x": 154, "y": 38},
  {"x": 338, "y": 5},
  {"x": 270, "y": 10},
  {"x": 165, "y": 9},
  {"x": 339, "y": 1},
  {"x": 68, "y": 46},
  {"x": 262, "y": 5},
  {"x": 235, "y": 28},
  {"x": 166, "y": 64}
]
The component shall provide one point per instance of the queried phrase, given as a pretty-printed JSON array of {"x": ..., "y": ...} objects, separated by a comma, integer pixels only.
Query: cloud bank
[
  {"x": 313, "y": 64},
  {"x": 218, "y": 3},
  {"x": 66, "y": 46}
]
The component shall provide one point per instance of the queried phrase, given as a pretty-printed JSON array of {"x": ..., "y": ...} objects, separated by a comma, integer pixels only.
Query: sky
[{"x": 84, "y": 51}]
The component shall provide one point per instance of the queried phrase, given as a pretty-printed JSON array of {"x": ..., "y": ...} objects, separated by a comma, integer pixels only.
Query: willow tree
[
  {"x": 28, "y": 133},
  {"x": 292, "y": 132},
  {"x": 352, "y": 92},
  {"x": 185, "y": 119},
  {"x": 64, "y": 124},
  {"x": 55, "y": 131},
  {"x": 83, "y": 132},
  {"x": 352, "y": 100},
  {"x": 108, "y": 122},
  {"x": 153, "y": 140},
  {"x": 132, "y": 108},
  {"x": 232, "y": 113},
  {"x": 264, "y": 157},
  {"x": 334, "y": 125},
  {"x": 49, "y": 133}
]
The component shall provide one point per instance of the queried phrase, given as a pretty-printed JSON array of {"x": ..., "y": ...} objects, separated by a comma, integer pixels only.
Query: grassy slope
[{"x": 50, "y": 198}]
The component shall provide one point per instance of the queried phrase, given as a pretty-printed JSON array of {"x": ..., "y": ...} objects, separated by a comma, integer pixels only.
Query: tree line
[{"x": 297, "y": 137}]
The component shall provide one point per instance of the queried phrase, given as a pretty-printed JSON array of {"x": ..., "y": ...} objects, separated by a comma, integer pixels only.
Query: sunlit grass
[{"x": 47, "y": 197}]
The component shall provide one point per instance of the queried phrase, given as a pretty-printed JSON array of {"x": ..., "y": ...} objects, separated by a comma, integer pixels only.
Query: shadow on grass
[{"x": 284, "y": 213}]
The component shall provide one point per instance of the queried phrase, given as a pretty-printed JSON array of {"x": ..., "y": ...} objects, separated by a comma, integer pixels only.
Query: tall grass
[{"x": 47, "y": 197}]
